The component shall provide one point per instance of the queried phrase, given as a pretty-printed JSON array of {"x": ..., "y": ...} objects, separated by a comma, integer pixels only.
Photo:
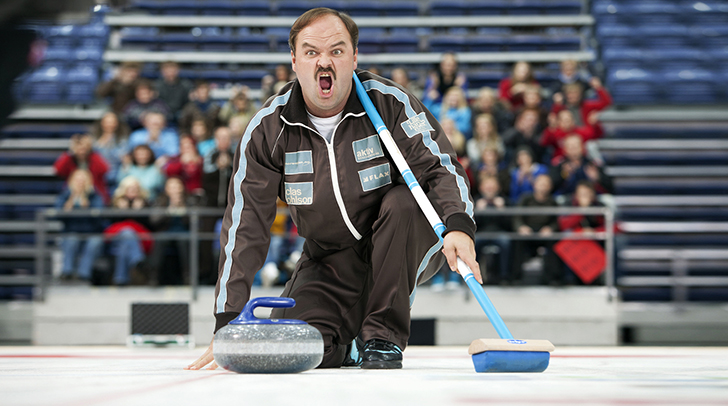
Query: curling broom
[{"x": 489, "y": 355}]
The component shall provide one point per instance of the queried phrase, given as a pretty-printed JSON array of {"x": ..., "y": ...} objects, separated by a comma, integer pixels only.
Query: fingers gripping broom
[{"x": 489, "y": 355}]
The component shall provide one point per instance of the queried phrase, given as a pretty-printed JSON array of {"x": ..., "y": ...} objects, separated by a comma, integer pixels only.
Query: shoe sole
[{"x": 381, "y": 365}]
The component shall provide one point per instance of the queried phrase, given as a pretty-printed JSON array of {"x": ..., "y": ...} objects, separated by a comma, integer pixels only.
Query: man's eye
[
  {"x": 311, "y": 53},
  {"x": 337, "y": 52}
]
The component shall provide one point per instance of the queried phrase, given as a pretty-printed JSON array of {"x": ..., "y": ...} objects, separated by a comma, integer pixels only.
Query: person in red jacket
[
  {"x": 187, "y": 166},
  {"x": 586, "y": 112},
  {"x": 510, "y": 89},
  {"x": 565, "y": 126},
  {"x": 82, "y": 156}
]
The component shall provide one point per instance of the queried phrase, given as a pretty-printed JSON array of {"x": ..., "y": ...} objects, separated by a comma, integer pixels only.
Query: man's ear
[
  {"x": 356, "y": 54},
  {"x": 293, "y": 61}
]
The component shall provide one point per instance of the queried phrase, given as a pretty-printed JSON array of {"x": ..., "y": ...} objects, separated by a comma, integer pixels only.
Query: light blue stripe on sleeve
[
  {"x": 445, "y": 160},
  {"x": 239, "y": 203}
]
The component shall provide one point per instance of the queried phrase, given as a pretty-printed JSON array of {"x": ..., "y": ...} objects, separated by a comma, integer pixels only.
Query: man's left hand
[{"x": 458, "y": 244}]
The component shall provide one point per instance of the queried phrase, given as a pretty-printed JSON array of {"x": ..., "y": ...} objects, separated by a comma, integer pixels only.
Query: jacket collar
[{"x": 295, "y": 110}]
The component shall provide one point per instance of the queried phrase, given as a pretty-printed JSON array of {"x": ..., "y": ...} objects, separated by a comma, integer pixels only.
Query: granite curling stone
[{"x": 267, "y": 346}]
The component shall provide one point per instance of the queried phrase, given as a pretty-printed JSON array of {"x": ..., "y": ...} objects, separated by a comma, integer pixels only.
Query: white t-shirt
[{"x": 325, "y": 126}]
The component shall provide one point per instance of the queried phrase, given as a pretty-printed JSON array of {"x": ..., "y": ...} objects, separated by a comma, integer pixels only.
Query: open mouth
[{"x": 326, "y": 82}]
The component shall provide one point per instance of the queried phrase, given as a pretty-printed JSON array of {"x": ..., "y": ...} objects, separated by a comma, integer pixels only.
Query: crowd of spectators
[{"x": 170, "y": 144}]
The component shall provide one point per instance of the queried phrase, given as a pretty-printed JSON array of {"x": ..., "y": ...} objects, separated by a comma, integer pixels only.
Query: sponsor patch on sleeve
[
  {"x": 367, "y": 149},
  {"x": 298, "y": 162},
  {"x": 299, "y": 193},
  {"x": 417, "y": 125},
  {"x": 375, "y": 177}
]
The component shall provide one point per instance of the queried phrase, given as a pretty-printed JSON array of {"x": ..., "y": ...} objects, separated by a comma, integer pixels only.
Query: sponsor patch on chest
[
  {"x": 299, "y": 193},
  {"x": 375, "y": 177},
  {"x": 298, "y": 162},
  {"x": 417, "y": 125},
  {"x": 367, "y": 149}
]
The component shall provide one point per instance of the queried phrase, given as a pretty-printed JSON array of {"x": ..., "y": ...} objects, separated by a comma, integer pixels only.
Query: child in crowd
[
  {"x": 187, "y": 166},
  {"x": 454, "y": 106},
  {"x": 145, "y": 100},
  {"x": 485, "y": 134},
  {"x": 523, "y": 175}
]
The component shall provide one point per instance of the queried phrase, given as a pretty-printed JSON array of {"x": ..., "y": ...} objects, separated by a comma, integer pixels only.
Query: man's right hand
[{"x": 204, "y": 359}]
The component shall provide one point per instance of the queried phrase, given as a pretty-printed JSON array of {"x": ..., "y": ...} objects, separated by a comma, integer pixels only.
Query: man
[
  {"x": 574, "y": 167},
  {"x": 201, "y": 104},
  {"x": 367, "y": 243},
  {"x": 524, "y": 133},
  {"x": 145, "y": 100},
  {"x": 173, "y": 91},
  {"x": 121, "y": 88},
  {"x": 163, "y": 141}
]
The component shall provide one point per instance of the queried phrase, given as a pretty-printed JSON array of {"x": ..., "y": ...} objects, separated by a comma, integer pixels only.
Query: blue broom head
[{"x": 508, "y": 355}]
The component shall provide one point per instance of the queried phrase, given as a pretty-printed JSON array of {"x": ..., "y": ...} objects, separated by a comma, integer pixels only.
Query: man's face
[
  {"x": 154, "y": 122},
  {"x": 528, "y": 121},
  {"x": 566, "y": 120},
  {"x": 572, "y": 147},
  {"x": 542, "y": 185},
  {"x": 170, "y": 72},
  {"x": 584, "y": 196},
  {"x": 324, "y": 63},
  {"x": 144, "y": 94}
]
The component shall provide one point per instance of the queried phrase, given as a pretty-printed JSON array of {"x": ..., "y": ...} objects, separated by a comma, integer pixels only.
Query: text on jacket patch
[
  {"x": 367, "y": 149},
  {"x": 299, "y": 193},
  {"x": 375, "y": 177}
]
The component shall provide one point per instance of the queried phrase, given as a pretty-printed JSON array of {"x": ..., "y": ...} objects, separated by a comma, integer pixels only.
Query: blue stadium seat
[
  {"x": 480, "y": 79},
  {"x": 364, "y": 9},
  {"x": 57, "y": 56},
  {"x": 525, "y": 8},
  {"x": 562, "y": 44},
  {"x": 654, "y": 13},
  {"x": 678, "y": 58},
  {"x": 612, "y": 13},
  {"x": 219, "y": 8},
  {"x": 633, "y": 86},
  {"x": 249, "y": 77},
  {"x": 216, "y": 39},
  {"x": 481, "y": 43},
  {"x": 46, "y": 85},
  {"x": 218, "y": 76},
  {"x": 253, "y": 8},
  {"x": 704, "y": 12},
  {"x": 711, "y": 36},
  {"x": 400, "y": 44},
  {"x": 370, "y": 44},
  {"x": 93, "y": 35},
  {"x": 562, "y": 8},
  {"x": 252, "y": 43},
  {"x": 140, "y": 37},
  {"x": 623, "y": 58},
  {"x": 691, "y": 86},
  {"x": 617, "y": 36},
  {"x": 400, "y": 9},
  {"x": 63, "y": 36},
  {"x": 663, "y": 36},
  {"x": 447, "y": 44},
  {"x": 293, "y": 8},
  {"x": 488, "y": 8},
  {"x": 182, "y": 7},
  {"x": 81, "y": 83},
  {"x": 441, "y": 8},
  {"x": 179, "y": 41},
  {"x": 525, "y": 43}
]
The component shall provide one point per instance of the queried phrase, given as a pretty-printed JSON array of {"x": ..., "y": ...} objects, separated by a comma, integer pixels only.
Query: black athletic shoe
[
  {"x": 380, "y": 354},
  {"x": 353, "y": 353}
]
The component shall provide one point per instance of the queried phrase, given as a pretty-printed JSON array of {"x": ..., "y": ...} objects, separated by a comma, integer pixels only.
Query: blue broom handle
[{"x": 427, "y": 209}]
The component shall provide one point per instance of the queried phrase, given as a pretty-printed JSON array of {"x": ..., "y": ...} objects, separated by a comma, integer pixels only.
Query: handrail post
[
  {"x": 194, "y": 251},
  {"x": 40, "y": 254},
  {"x": 609, "y": 248}
]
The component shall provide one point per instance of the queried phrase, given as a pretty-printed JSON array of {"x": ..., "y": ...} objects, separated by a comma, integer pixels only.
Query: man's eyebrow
[
  {"x": 338, "y": 44},
  {"x": 307, "y": 45}
]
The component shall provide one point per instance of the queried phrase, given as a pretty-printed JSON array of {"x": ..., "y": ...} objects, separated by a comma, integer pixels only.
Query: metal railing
[{"x": 43, "y": 233}]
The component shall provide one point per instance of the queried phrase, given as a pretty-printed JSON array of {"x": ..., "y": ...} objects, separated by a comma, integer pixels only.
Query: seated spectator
[
  {"x": 554, "y": 137},
  {"x": 142, "y": 168},
  {"x": 218, "y": 168},
  {"x": 169, "y": 260},
  {"x": 201, "y": 132},
  {"x": 130, "y": 238},
  {"x": 79, "y": 254},
  {"x": 569, "y": 72},
  {"x": 271, "y": 84},
  {"x": 485, "y": 134},
  {"x": 585, "y": 112},
  {"x": 145, "y": 101},
  {"x": 239, "y": 106},
  {"x": 456, "y": 138},
  {"x": 121, "y": 87},
  {"x": 200, "y": 104},
  {"x": 163, "y": 141},
  {"x": 573, "y": 167},
  {"x": 525, "y": 173},
  {"x": 491, "y": 198},
  {"x": 455, "y": 107},
  {"x": 584, "y": 196},
  {"x": 488, "y": 103},
  {"x": 187, "y": 166},
  {"x": 112, "y": 142},
  {"x": 491, "y": 165},
  {"x": 172, "y": 90},
  {"x": 532, "y": 100},
  {"x": 524, "y": 133},
  {"x": 542, "y": 224},
  {"x": 400, "y": 77},
  {"x": 237, "y": 128},
  {"x": 510, "y": 89},
  {"x": 82, "y": 156},
  {"x": 444, "y": 77}
]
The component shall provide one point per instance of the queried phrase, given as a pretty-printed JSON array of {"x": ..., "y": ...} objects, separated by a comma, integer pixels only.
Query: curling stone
[{"x": 267, "y": 346}]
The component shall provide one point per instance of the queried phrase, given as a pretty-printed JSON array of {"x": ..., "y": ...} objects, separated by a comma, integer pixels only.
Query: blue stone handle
[{"x": 247, "y": 316}]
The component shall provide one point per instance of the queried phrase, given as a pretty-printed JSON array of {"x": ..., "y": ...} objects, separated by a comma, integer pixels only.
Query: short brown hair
[{"x": 314, "y": 14}]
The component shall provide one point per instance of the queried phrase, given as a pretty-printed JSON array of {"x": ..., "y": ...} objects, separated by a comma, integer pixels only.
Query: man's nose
[{"x": 324, "y": 61}]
